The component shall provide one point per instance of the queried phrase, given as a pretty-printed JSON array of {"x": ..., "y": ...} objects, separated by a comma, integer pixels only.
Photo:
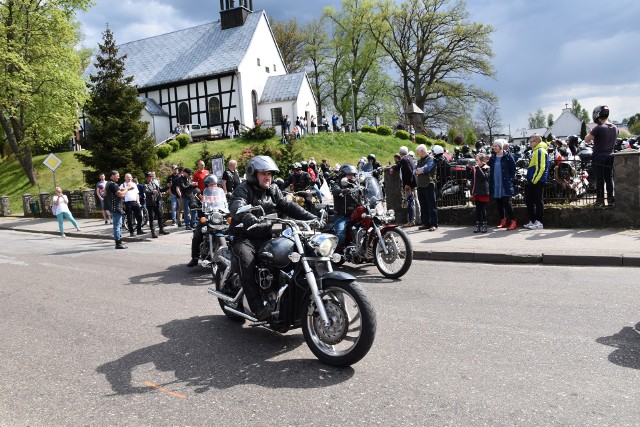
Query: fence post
[
  {"x": 26, "y": 204},
  {"x": 45, "y": 205},
  {"x": 89, "y": 202},
  {"x": 627, "y": 188},
  {"x": 392, "y": 190},
  {"x": 5, "y": 207}
]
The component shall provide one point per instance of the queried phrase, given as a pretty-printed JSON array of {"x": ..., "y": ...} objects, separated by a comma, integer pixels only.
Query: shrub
[
  {"x": 175, "y": 145},
  {"x": 368, "y": 129},
  {"x": 421, "y": 139},
  {"x": 163, "y": 151},
  {"x": 259, "y": 133},
  {"x": 402, "y": 134},
  {"x": 384, "y": 130},
  {"x": 183, "y": 140}
]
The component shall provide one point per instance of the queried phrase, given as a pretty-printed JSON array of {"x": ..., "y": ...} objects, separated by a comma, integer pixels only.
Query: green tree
[
  {"x": 290, "y": 39},
  {"x": 117, "y": 138},
  {"x": 40, "y": 81},
  {"x": 635, "y": 128},
  {"x": 550, "y": 120},
  {"x": 583, "y": 129},
  {"x": 436, "y": 50},
  {"x": 536, "y": 120},
  {"x": 578, "y": 111},
  {"x": 630, "y": 121},
  {"x": 357, "y": 81},
  {"x": 316, "y": 50}
]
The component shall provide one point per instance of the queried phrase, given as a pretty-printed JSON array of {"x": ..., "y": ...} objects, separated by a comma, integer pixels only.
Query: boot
[
  {"x": 153, "y": 233},
  {"x": 162, "y": 231},
  {"x": 503, "y": 223},
  {"x": 477, "y": 230},
  {"x": 119, "y": 245},
  {"x": 139, "y": 231},
  {"x": 512, "y": 225},
  {"x": 483, "y": 229}
]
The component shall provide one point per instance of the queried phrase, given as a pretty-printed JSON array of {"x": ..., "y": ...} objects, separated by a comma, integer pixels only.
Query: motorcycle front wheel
[
  {"x": 396, "y": 262},
  {"x": 352, "y": 328}
]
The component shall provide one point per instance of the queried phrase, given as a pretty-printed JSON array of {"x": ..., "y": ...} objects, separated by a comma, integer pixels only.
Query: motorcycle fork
[
  {"x": 381, "y": 240},
  {"x": 311, "y": 280}
]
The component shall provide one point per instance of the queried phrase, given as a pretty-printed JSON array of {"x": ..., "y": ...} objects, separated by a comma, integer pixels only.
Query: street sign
[{"x": 52, "y": 162}]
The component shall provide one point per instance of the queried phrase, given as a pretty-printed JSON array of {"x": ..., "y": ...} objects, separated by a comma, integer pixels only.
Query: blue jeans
[
  {"x": 117, "y": 225},
  {"x": 340, "y": 228},
  {"x": 174, "y": 207},
  {"x": 186, "y": 212}
]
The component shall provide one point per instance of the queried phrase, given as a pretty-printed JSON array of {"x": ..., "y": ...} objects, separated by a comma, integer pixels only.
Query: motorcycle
[
  {"x": 295, "y": 274},
  {"x": 214, "y": 225},
  {"x": 371, "y": 235}
]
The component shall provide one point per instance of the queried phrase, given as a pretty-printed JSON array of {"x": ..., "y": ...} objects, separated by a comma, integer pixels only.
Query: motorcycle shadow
[
  {"x": 627, "y": 344},
  {"x": 178, "y": 273},
  {"x": 211, "y": 352}
]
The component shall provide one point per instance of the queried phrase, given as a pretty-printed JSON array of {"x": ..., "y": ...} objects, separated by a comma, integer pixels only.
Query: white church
[{"x": 214, "y": 73}]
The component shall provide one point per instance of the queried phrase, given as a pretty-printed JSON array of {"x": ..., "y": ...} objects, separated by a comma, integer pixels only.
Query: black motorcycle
[
  {"x": 295, "y": 275},
  {"x": 214, "y": 225}
]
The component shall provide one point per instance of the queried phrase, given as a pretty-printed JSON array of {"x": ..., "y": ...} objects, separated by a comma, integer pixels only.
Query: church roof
[
  {"x": 282, "y": 88},
  {"x": 152, "y": 107},
  {"x": 205, "y": 50}
]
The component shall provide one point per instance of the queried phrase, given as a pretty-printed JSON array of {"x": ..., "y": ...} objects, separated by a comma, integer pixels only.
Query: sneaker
[
  {"x": 529, "y": 226},
  {"x": 106, "y": 222},
  {"x": 193, "y": 262},
  {"x": 537, "y": 226}
]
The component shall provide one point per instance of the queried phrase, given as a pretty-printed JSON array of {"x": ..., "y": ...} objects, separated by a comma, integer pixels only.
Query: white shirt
[{"x": 131, "y": 195}]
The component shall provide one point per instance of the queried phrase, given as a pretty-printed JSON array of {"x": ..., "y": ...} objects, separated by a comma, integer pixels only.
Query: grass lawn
[{"x": 335, "y": 147}]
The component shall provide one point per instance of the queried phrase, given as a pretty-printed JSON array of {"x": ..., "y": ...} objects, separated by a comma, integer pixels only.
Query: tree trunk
[{"x": 20, "y": 148}]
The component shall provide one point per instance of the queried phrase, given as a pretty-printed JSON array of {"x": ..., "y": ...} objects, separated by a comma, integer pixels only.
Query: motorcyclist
[
  {"x": 211, "y": 181},
  {"x": 301, "y": 181},
  {"x": 346, "y": 197},
  {"x": 466, "y": 152},
  {"x": 373, "y": 166},
  {"x": 248, "y": 233}
]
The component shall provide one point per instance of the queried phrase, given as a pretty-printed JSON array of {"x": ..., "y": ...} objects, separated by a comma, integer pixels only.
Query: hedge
[
  {"x": 402, "y": 134},
  {"x": 384, "y": 130},
  {"x": 163, "y": 151}
]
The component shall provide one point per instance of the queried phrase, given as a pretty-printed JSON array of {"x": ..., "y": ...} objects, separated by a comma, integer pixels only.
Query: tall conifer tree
[{"x": 117, "y": 137}]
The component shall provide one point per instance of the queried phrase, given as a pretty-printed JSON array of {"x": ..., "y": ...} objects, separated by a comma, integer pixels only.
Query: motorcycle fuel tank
[{"x": 277, "y": 251}]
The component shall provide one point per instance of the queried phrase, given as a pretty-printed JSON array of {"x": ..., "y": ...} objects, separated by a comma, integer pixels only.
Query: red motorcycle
[{"x": 371, "y": 235}]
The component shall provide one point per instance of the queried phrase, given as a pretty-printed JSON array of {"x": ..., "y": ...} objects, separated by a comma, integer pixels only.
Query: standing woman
[
  {"x": 502, "y": 172},
  {"x": 60, "y": 209}
]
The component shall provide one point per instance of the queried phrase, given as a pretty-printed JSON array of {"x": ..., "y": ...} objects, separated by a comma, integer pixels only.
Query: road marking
[{"x": 157, "y": 387}]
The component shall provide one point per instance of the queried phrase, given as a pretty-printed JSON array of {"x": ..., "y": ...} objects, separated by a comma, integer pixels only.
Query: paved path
[{"x": 602, "y": 247}]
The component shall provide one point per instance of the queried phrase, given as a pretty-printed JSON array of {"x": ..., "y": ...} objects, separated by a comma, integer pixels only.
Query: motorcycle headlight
[
  {"x": 323, "y": 244},
  {"x": 216, "y": 218}
]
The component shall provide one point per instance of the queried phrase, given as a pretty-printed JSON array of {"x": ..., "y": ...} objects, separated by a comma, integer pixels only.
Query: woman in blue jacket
[{"x": 503, "y": 171}]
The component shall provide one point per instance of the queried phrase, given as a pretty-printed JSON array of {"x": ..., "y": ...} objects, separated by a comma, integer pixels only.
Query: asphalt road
[{"x": 94, "y": 336}]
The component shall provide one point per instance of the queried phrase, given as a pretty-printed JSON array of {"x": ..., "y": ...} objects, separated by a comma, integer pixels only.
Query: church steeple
[{"x": 232, "y": 16}]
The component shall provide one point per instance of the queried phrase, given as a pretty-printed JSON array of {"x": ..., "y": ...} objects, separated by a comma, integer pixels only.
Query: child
[{"x": 480, "y": 191}]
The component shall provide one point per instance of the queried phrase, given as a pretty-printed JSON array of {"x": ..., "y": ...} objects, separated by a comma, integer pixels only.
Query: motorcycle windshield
[
  {"x": 372, "y": 191},
  {"x": 213, "y": 198}
]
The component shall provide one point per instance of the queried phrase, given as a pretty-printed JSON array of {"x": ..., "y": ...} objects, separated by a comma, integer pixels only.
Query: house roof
[
  {"x": 152, "y": 107},
  {"x": 205, "y": 50},
  {"x": 282, "y": 88}
]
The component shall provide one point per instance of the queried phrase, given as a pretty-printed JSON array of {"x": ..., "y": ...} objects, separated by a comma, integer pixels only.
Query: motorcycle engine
[{"x": 265, "y": 278}]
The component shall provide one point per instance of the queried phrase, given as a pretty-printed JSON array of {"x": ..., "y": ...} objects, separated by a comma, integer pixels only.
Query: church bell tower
[{"x": 232, "y": 16}]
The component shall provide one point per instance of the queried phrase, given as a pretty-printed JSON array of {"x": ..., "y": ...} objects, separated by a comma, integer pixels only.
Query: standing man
[
  {"x": 230, "y": 178},
  {"x": 132, "y": 204},
  {"x": 100, "y": 194},
  {"x": 426, "y": 182},
  {"x": 236, "y": 127},
  {"x": 537, "y": 174},
  {"x": 334, "y": 121},
  {"x": 173, "y": 182},
  {"x": 199, "y": 175},
  {"x": 153, "y": 196},
  {"x": 115, "y": 204},
  {"x": 186, "y": 188},
  {"x": 604, "y": 139}
]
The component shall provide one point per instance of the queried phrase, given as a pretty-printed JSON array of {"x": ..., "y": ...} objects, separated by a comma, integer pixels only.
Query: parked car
[{"x": 198, "y": 133}]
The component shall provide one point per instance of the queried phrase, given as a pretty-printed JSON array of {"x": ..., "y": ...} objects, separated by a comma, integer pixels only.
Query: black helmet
[
  {"x": 479, "y": 145},
  {"x": 296, "y": 165},
  {"x": 304, "y": 165},
  {"x": 551, "y": 149},
  {"x": 573, "y": 139},
  {"x": 260, "y": 164},
  {"x": 371, "y": 157},
  {"x": 465, "y": 148},
  {"x": 601, "y": 111},
  {"x": 211, "y": 179},
  {"x": 516, "y": 148},
  {"x": 347, "y": 169}
]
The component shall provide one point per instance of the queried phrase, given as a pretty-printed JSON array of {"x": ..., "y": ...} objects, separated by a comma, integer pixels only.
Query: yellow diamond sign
[{"x": 52, "y": 162}]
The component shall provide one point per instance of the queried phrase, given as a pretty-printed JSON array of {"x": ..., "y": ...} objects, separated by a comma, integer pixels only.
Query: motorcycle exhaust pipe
[
  {"x": 225, "y": 298},
  {"x": 241, "y": 314}
]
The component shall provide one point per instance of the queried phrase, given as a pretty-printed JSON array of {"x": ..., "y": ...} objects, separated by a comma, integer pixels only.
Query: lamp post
[{"x": 353, "y": 104}]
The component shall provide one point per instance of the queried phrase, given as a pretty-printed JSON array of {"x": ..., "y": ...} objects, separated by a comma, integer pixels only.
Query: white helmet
[{"x": 437, "y": 149}]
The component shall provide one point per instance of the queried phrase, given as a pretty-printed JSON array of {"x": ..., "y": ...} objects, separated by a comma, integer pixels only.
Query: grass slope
[{"x": 335, "y": 147}]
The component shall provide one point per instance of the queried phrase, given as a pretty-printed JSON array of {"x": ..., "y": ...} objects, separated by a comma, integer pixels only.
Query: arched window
[
  {"x": 254, "y": 104},
  {"x": 215, "y": 118},
  {"x": 184, "y": 118}
]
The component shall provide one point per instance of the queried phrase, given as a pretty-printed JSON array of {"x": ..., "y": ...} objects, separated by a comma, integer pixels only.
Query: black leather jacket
[
  {"x": 300, "y": 182},
  {"x": 346, "y": 196},
  {"x": 271, "y": 201}
]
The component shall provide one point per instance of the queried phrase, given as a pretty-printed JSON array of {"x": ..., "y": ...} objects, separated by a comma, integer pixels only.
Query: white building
[{"x": 214, "y": 73}]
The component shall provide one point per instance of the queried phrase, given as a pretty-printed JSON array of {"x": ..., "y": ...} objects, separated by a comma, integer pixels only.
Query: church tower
[{"x": 232, "y": 16}]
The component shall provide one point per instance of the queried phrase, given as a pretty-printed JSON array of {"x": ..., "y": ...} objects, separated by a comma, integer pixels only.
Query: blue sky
[{"x": 547, "y": 52}]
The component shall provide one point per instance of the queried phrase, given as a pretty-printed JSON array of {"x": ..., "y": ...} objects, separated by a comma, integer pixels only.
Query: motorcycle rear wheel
[
  {"x": 217, "y": 280},
  {"x": 352, "y": 330},
  {"x": 400, "y": 254}
]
